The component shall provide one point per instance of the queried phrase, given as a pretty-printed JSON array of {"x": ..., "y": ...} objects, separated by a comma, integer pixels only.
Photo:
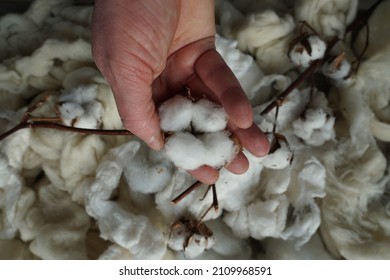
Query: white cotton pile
[
  {"x": 266, "y": 35},
  {"x": 304, "y": 56},
  {"x": 10, "y": 189},
  {"x": 61, "y": 232},
  {"x": 259, "y": 219},
  {"x": 197, "y": 134},
  {"x": 133, "y": 231},
  {"x": 328, "y": 17},
  {"x": 78, "y": 107}
]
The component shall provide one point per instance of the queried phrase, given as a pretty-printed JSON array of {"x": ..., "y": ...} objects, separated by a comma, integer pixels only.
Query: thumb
[
  {"x": 137, "y": 111},
  {"x": 133, "y": 96},
  {"x": 131, "y": 83}
]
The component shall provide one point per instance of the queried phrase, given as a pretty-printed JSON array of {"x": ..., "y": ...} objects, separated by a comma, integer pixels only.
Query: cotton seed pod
[
  {"x": 196, "y": 133},
  {"x": 307, "y": 50},
  {"x": 337, "y": 68}
]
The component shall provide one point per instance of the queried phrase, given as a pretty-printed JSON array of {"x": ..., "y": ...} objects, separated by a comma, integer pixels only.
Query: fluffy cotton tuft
[
  {"x": 176, "y": 113},
  {"x": 339, "y": 70},
  {"x": 301, "y": 56},
  {"x": 78, "y": 107},
  {"x": 220, "y": 149},
  {"x": 185, "y": 150},
  {"x": 209, "y": 145},
  {"x": 315, "y": 128},
  {"x": 208, "y": 117}
]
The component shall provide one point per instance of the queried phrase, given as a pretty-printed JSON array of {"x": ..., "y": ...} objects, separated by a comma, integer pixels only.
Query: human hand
[{"x": 151, "y": 50}]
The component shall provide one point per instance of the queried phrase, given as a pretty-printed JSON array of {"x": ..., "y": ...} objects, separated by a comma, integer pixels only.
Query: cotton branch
[{"x": 354, "y": 27}]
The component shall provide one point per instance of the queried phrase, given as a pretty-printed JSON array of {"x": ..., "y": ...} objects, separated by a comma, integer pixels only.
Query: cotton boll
[
  {"x": 197, "y": 244},
  {"x": 92, "y": 118},
  {"x": 190, "y": 236},
  {"x": 315, "y": 128},
  {"x": 281, "y": 157},
  {"x": 208, "y": 116},
  {"x": 302, "y": 56},
  {"x": 78, "y": 107},
  {"x": 81, "y": 94},
  {"x": 176, "y": 113},
  {"x": 70, "y": 111},
  {"x": 293, "y": 105},
  {"x": 337, "y": 69},
  {"x": 220, "y": 149},
  {"x": 185, "y": 150}
]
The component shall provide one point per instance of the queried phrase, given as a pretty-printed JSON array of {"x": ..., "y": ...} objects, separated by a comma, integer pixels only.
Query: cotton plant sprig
[
  {"x": 313, "y": 53},
  {"x": 28, "y": 120},
  {"x": 196, "y": 134},
  {"x": 334, "y": 66}
]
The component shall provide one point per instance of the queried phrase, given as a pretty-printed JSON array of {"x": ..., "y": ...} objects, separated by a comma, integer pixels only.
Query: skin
[{"x": 150, "y": 50}]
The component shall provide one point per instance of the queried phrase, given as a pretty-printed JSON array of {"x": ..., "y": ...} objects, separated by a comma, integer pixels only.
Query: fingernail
[{"x": 156, "y": 143}]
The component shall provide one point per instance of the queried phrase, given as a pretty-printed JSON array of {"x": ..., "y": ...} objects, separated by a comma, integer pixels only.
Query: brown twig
[
  {"x": 355, "y": 25},
  {"x": 57, "y": 126},
  {"x": 214, "y": 204},
  {"x": 280, "y": 98},
  {"x": 186, "y": 192}
]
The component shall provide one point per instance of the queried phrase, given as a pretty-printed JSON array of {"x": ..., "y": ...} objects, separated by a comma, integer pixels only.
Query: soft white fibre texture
[
  {"x": 190, "y": 152},
  {"x": 301, "y": 56},
  {"x": 180, "y": 113},
  {"x": 176, "y": 113},
  {"x": 209, "y": 145},
  {"x": 265, "y": 35},
  {"x": 322, "y": 193},
  {"x": 208, "y": 117},
  {"x": 337, "y": 70},
  {"x": 78, "y": 107},
  {"x": 328, "y": 17}
]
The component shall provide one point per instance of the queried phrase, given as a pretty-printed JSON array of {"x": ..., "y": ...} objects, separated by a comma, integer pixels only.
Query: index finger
[{"x": 219, "y": 78}]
